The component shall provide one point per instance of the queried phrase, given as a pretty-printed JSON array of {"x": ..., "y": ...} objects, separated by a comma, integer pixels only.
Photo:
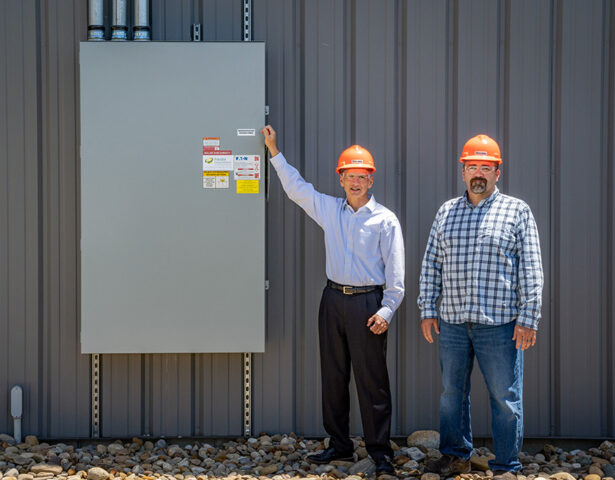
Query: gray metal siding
[{"x": 410, "y": 80}]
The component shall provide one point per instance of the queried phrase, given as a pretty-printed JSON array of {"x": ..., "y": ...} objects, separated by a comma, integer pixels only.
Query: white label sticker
[
  {"x": 246, "y": 132},
  {"x": 211, "y": 142},
  {"x": 209, "y": 182},
  {"x": 218, "y": 160},
  {"x": 222, "y": 182},
  {"x": 247, "y": 167},
  {"x": 215, "y": 179}
]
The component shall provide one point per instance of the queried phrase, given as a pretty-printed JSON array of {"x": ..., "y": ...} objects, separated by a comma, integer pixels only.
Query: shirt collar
[
  {"x": 370, "y": 205},
  {"x": 485, "y": 202}
]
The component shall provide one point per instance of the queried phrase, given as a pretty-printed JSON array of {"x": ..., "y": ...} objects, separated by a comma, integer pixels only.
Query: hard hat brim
[
  {"x": 356, "y": 165},
  {"x": 486, "y": 158}
]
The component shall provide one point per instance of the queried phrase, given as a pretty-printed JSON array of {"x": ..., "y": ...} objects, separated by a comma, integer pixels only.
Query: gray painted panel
[
  {"x": 458, "y": 67},
  {"x": 283, "y": 395},
  {"x": 478, "y": 97},
  {"x": 159, "y": 251},
  {"x": 6, "y": 17},
  {"x": 580, "y": 223},
  {"x": 67, "y": 371},
  {"x": 526, "y": 170},
  {"x": 427, "y": 167}
]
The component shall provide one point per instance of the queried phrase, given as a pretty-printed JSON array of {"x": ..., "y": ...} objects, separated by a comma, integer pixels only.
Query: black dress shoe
[
  {"x": 329, "y": 455},
  {"x": 383, "y": 465}
]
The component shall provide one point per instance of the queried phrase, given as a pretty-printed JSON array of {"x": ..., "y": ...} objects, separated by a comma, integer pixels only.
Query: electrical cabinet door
[{"x": 172, "y": 197}]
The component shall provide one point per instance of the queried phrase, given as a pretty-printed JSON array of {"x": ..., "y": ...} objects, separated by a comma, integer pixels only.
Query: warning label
[
  {"x": 247, "y": 186},
  {"x": 215, "y": 179},
  {"x": 211, "y": 143},
  {"x": 247, "y": 167}
]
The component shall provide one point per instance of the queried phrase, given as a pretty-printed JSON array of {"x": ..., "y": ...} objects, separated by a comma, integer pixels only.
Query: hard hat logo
[
  {"x": 481, "y": 147},
  {"x": 356, "y": 157}
]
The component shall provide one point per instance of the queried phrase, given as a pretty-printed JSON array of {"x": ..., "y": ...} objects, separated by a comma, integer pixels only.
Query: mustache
[{"x": 478, "y": 185}]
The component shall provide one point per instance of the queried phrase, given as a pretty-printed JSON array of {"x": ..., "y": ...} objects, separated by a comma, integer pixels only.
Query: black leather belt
[{"x": 349, "y": 290}]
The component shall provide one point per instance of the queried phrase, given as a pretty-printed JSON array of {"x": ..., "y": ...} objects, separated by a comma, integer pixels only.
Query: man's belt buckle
[{"x": 347, "y": 290}]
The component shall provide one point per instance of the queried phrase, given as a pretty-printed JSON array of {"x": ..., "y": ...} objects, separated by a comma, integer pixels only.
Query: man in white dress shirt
[{"x": 365, "y": 271}]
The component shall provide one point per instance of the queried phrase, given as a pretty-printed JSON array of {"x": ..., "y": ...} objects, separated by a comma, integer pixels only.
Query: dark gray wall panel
[
  {"x": 477, "y": 77},
  {"x": 426, "y": 167},
  {"x": 278, "y": 392},
  {"x": 409, "y": 80},
  {"x": 65, "y": 372},
  {"x": 526, "y": 172},
  {"x": 19, "y": 232},
  {"x": 579, "y": 212}
]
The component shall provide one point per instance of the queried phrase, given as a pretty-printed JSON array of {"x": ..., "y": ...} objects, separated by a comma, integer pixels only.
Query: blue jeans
[{"x": 502, "y": 367}]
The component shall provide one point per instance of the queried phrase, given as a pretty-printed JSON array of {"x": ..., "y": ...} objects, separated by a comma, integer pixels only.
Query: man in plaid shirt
[{"x": 483, "y": 262}]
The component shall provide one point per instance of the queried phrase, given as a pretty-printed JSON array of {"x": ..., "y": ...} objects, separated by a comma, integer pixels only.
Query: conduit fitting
[
  {"x": 141, "y": 29},
  {"x": 17, "y": 411},
  {"x": 96, "y": 23},
  {"x": 119, "y": 27}
]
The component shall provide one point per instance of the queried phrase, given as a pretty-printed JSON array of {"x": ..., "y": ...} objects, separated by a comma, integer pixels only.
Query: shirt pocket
[
  {"x": 369, "y": 237},
  {"x": 498, "y": 241}
]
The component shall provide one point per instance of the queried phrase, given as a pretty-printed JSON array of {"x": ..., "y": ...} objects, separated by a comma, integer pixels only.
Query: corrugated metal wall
[{"x": 410, "y": 80}]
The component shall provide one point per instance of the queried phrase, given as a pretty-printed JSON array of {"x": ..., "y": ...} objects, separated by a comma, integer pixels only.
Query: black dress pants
[{"x": 346, "y": 341}]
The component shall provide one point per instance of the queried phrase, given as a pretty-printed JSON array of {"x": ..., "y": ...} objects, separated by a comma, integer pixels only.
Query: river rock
[
  {"x": 592, "y": 476},
  {"x": 430, "y": 476},
  {"x": 414, "y": 453},
  {"x": 562, "y": 476},
  {"x": 424, "y": 438},
  {"x": 31, "y": 440},
  {"x": 365, "y": 466},
  {"x": 7, "y": 438},
  {"x": 596, "y": 470},
  {"x": 268, "y": 469},
  {"x": 114, "y": 448},
  {"x": 480, "y": 462},
  {"x": 97, "y": 473},
  {"x": 46, "y": 468}
]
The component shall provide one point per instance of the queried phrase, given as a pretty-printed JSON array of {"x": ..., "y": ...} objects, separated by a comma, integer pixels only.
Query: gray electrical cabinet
[{"x": 172, "y": 197}]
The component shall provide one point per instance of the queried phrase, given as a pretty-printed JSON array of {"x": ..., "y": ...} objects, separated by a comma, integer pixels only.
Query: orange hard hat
[
  {"x": 481, "y": 147},
  {"x": 355, "y": 157}
]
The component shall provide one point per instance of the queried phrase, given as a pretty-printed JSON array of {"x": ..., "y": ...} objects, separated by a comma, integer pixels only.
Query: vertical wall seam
[
  {"x": 504, "y": 84},
  {"x": 40, "y": 211},
  {"x": 608, "y": 131},
  {"x": 453, "y": 63},
  {"x": 402, "y": 113},
  {"x": 353, "y": 70},
  {"x": 555, "y": 122}
]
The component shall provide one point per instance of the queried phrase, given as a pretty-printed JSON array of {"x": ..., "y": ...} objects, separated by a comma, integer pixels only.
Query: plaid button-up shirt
[{"x": 484, "y": 262}]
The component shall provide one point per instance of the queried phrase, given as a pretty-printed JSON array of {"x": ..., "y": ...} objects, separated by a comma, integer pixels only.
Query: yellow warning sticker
[
  {"x": 247, "y": 186},
  {"x": 215, "y": 179}
]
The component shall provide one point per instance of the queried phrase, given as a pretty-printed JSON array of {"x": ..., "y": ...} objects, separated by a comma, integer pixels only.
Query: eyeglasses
[
  {"x": 483, "y": 168},
  {"x": 361, "y": 178}
]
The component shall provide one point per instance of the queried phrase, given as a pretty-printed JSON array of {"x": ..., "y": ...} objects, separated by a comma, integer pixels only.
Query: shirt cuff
[
  {"x": 386, "y": 313},
  {"x": 527, "y": 322},
  {"x": 428, "y": 312}
]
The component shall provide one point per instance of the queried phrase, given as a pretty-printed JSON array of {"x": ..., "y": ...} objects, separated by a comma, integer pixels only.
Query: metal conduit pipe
[
  {"x": 119, "y": 27},
  {"x": 142, "y": 30},
  {"x": 96, "y": 23}
]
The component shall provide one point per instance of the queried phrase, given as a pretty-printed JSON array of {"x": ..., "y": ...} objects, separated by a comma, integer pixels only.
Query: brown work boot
[{"x": 448, "y": 465}]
